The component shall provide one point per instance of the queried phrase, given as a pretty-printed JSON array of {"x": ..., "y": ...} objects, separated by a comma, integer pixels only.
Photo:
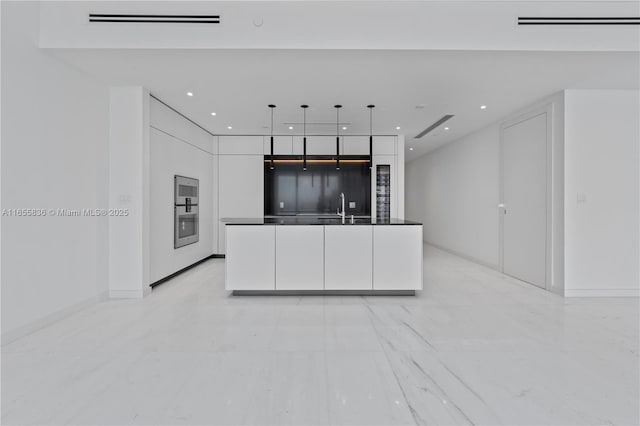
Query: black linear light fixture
[
  {"x": 337, "y": 107},
  {"x": 304, "y": 136},
  {"x": 371, "y": 107},
  {"x": 271, "y": 160}
]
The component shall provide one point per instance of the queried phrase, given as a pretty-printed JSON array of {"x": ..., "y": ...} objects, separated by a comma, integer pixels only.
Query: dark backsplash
[{"x": 316, "y": 190}]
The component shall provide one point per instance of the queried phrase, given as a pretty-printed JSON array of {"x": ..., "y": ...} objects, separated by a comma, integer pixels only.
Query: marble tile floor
[{"x": 474, "y": 348}]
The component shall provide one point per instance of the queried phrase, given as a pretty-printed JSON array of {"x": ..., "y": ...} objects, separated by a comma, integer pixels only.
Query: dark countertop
[{"x": 312, "y": 220}]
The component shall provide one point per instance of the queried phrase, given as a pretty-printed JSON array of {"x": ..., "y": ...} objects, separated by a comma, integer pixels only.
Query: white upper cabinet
[
  {"x": 282, "y": 145},
  {"x": 247, "y": 145},
  {"x": 355, "y": 145},
  {"x": 316, "y": 145},
  {"x": 384, "y": 145},
  {"x": 349, "y": 145}
]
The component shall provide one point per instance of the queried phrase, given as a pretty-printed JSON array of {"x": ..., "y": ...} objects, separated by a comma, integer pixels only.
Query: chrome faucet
[{"x": 341, "y": 213}]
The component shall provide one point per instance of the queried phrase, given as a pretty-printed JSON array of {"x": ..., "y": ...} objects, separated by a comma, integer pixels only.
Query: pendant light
[
  {"x": 371, "y": 107},
  {"x": 304, "y": 136},
  {"x": 337, "y": 107},
  {"x": 271, "y": 160}
]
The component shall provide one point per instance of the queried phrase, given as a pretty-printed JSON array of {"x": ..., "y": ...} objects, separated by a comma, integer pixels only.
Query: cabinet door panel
[
  {"x": 384, "y": 145},
  {"x": 250, "y": 260},
  {"x": 316, "y": 145},
  {"x": 355, "y": 145},
  {"x": 299, "y": 257},
  {"x": 230, "y": 145},
  {"x": 348, "y": 257},
  {"x": 240, "y": 189},
  {"x": 282, "y": 145},
  {"x": 397, "y": 257}
]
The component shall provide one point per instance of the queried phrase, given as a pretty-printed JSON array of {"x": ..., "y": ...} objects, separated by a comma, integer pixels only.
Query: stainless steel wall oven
[{"x": 186, "y": 217}]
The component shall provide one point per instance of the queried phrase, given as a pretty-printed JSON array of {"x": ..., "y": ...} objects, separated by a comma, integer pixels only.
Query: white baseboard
[
  {"x": 11, "y": 335},
  {"x": 464, "y": 256},
  {"x": 126, "y": 294},
  {"x": 605, "y": 292}
]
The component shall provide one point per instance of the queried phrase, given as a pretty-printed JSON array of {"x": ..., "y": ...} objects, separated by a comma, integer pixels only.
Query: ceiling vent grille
[
  {"x": 433, "y": 126},
  {"x": 154, "y": 19},
  {"x": 574, "y": 20}
]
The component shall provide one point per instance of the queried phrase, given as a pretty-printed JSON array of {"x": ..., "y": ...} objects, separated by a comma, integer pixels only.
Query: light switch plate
[
  {"x": 352, "y": 204},
  {"x": 282, "y": 204}
]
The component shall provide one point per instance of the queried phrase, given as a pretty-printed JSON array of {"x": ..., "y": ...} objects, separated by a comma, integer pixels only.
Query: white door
[{"x": 525, "y": 200}]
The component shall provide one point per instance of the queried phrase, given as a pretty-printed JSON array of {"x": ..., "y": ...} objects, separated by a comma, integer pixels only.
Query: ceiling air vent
[
  {"x": 433, "y": 126},
  {"x": 574, "y": 20},
  {"x": 154, "y": 19}
]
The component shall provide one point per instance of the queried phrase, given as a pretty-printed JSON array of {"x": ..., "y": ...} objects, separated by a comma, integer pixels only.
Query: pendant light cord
[{"x": 370, "y": 121}]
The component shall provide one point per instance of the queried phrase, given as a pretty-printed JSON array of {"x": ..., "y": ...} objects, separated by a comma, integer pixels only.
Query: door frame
[{"x": 548, "y": 110}]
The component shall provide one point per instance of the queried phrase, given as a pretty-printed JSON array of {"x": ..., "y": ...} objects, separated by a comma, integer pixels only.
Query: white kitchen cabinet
[
  {"x": 316, "y": 145},
  {"x": 282, "y": 145},
  {"x": 240, "y": 145},
  {"x": 299, "y": 257},
  {"x": 384, "y": 145},
  {"x": 349, "y": 145},
  {"x": 397, "y": 257},
  {"x": 250, "y": 260},
  {"x": 240, "y": 189},
  {"x": 355, "y": 145},
  {"x": 391, "y": 161},
  {"x": 348, "y": 257}
]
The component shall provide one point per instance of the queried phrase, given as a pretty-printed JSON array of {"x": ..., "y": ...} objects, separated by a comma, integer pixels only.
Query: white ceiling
[{"x": 238, "y": 85}]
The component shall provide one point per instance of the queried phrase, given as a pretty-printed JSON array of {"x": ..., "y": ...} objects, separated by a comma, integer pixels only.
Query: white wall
[
  {"x": 178, "y": 147},
  {"x": 129, "y": 191},
  {"x": 54, "y": 155},
  {"x": 601, "y": 162},
  {"x": 454, "y": 192}
]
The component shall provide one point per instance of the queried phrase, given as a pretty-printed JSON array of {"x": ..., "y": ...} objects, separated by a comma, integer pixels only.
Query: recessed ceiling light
[
  {"x": 213, "y": 113},
  {"x": 483, "y": 107},
  {"x": 410, "y": 149},
  {"x": 189, "y": 94},
  {"x": 290, "y": 127},
  {"x": 344, "y": 128},
  {"x": 229, "y": 127},
  {"x": 446, "y": 128},
  {"x": 398, "y": 128}
]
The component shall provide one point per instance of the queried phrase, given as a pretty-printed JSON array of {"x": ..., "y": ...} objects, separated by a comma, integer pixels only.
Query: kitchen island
[{"x": 321, "y": 255}]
